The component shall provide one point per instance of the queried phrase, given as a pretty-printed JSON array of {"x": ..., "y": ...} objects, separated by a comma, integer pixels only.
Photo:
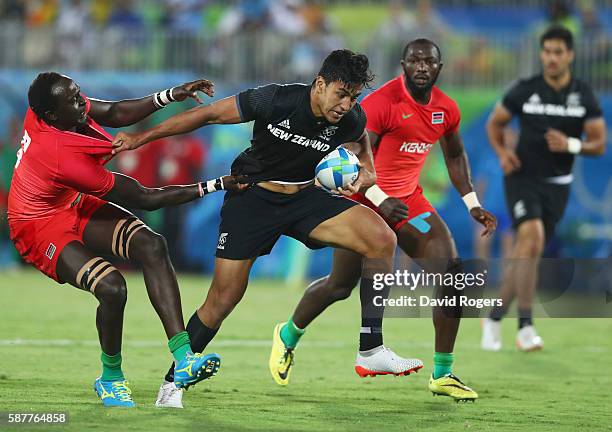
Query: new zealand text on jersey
[{"x": 298, "y": 139}]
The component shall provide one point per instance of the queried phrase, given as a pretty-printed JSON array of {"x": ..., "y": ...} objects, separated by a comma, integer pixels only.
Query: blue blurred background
[{"x": 121, "y": 49}]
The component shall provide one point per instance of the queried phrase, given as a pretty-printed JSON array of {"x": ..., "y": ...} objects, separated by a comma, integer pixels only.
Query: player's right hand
[
  {"x": 236, "y": 183},
  {"x": 393, "y": 209},
  {"x": 125, "y": 141},
  {"x": 509, "y": 161}
]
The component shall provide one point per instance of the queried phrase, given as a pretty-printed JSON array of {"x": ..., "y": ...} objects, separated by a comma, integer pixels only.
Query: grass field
[{"x": 565, "y": 387}]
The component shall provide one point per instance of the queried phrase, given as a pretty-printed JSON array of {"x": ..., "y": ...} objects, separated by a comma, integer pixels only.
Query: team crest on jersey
[
  {"x": 222, "y": 241},
  {"x": 50, "y": 251},
  {"x": 573, "y": 99},
  {"x": 535, "y": 99},
  {"x": 285, "y": 124},
  {"x": 328, "y": 132},
  {"x": 437, "y": 118}
]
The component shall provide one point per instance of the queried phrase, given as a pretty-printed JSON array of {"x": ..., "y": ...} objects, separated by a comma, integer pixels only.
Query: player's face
[
  {"x": 555, "y": 57},
  {"x": 70, "y": 105},
  {"x": 421, "y": 66},
  {"x": 336, "y": 99}
]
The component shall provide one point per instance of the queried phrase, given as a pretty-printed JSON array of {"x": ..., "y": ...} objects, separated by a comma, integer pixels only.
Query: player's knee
[
  {"x": 381, "y": 243},
  {"x": 112, "y": 289},
  {"x": 530, "y": 239},
  {"x": 154, "y": 246}
]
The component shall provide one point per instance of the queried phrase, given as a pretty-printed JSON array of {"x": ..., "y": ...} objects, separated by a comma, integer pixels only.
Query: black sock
[
  {"x": 498, "y": 312},
  {"x": 199, "y": 335},
  {"x": 524, "y": 318},
  {"x": 370, "y": 335}
]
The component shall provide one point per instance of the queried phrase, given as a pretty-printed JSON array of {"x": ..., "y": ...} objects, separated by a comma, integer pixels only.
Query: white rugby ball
[{"x": 338, "y": 169}]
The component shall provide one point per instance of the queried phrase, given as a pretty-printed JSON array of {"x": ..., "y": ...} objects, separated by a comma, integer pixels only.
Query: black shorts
[
  {"x": 534, "y": 198},
  {"x": 252, "y": 221}
]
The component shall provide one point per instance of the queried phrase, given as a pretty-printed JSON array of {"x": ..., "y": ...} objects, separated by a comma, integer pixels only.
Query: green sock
[
  {"x": 179, "y": 345},
  {"x": 443, "y": 363},
  {"x": 111, "y": 367},
  {"x": 291, "y": 334}
]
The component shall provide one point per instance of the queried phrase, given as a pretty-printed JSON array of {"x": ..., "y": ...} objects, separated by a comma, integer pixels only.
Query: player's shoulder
[
  {"x": 355, "y": 117},
  {"x": 530, "y": 83},
  {"x": 444, "y": 101},
  {"x": 581, "y": 85},
  {"x": 288, "y": 96}
]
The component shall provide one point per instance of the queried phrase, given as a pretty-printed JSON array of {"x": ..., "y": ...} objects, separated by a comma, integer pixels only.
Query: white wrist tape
[
  {"x": 471, "y": 200},
  {"x": 574, "y": 145},
  {"x": 163, "y": 98},
  {"x": 210, "y": 186},
  {"x": 376, "y": 195}
]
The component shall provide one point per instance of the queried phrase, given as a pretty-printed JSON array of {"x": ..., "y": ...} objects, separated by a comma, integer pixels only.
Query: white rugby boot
[
  {"x": 382, "y": 361},
  {"x": 491, "y": 335},
  {"x": 169, "y": 396}
]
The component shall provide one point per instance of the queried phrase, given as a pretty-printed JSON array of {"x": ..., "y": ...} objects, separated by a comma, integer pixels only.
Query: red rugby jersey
[
  {"x": 408, "y": 131},
  {"x": 53, "y": 166}
]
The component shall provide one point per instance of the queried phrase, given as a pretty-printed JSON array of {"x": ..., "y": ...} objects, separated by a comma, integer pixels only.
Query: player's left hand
[
  {"x": 236, "y": 183},
  {"x": 556, "y": 140},
  {"x": 364, "y": 180},
  {"x": 486, "y": 219},
  {"x": 191, "y": 89}
]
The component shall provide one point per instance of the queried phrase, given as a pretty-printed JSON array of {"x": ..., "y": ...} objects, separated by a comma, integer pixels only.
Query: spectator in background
[
  {"x": 593, "y": 59},
  {"x": 235, "y": 34},
  {"x": 402, "y": 25},
  {"x": 315, "y": 40},
  {"x": 38, "y": 44},
  {"x": 101, "y": 11},
  {"x": 286, "y": 17},
  {"x": 126, "y": 35},
  {"x": 560, "y": 13},
  {"x": 72, "y": 24},
  {"x": 13, "y": 10},
  {"x": 183, "y": 21}
]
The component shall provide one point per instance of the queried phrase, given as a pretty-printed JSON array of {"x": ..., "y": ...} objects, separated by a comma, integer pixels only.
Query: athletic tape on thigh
[
  {"x": 420, "y": 224},
  {"x": 124, "y": 231},
  {"x": 92, "y": 273}
]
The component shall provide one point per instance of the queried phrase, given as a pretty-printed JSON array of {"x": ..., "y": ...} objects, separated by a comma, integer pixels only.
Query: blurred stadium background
[{"x": 126, "y": 48}]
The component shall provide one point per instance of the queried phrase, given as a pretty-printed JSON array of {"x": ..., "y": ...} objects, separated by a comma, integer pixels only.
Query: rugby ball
[{"x": 338, "y": 169}]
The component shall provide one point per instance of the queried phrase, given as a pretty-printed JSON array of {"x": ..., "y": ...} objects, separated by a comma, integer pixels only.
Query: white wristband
[
  {"x": 471, "y": 200},
  {"x": 376, "y": 195},
  {"x": 574, "y": 145},
  {"x": 163, "y": 98}
]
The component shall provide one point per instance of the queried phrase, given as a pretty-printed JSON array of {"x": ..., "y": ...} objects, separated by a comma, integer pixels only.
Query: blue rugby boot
[
  {"x": 195, "y": 368},
  {"x": 114, "y": 393}
]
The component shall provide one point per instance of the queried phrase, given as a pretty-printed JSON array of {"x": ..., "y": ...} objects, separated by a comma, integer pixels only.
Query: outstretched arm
[
  {"x": 224, "y": 111},
  {"x": 129, "y": 111},
  {"x": 128, "y": 192},
  {"x": 459, "y": 174}
]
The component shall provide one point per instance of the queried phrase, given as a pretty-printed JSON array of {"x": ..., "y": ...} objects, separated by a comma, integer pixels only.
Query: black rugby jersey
[
  {"x": 539, "y": 107},
  {"x": 288, "y": 140}
]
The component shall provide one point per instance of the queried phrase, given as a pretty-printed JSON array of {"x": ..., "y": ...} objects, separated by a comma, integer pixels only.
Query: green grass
[{"x": 565, "y": 387}]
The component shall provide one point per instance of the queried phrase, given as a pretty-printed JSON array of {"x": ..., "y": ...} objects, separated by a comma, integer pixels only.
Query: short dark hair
[
  {"x": 40, "y": 94},
  {"x": 347, "y": 67},
  {"x": 421, "y": 41},
  {"x": 558, "y": 32}
]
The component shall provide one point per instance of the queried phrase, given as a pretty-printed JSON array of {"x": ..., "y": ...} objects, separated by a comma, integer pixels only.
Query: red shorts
[
  {"x": 41, "y": 241},
  {"x": 416, "y": 202}
]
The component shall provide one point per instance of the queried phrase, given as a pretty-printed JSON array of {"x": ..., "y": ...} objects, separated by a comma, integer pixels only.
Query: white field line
[{"x": 243, "y": 343}]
